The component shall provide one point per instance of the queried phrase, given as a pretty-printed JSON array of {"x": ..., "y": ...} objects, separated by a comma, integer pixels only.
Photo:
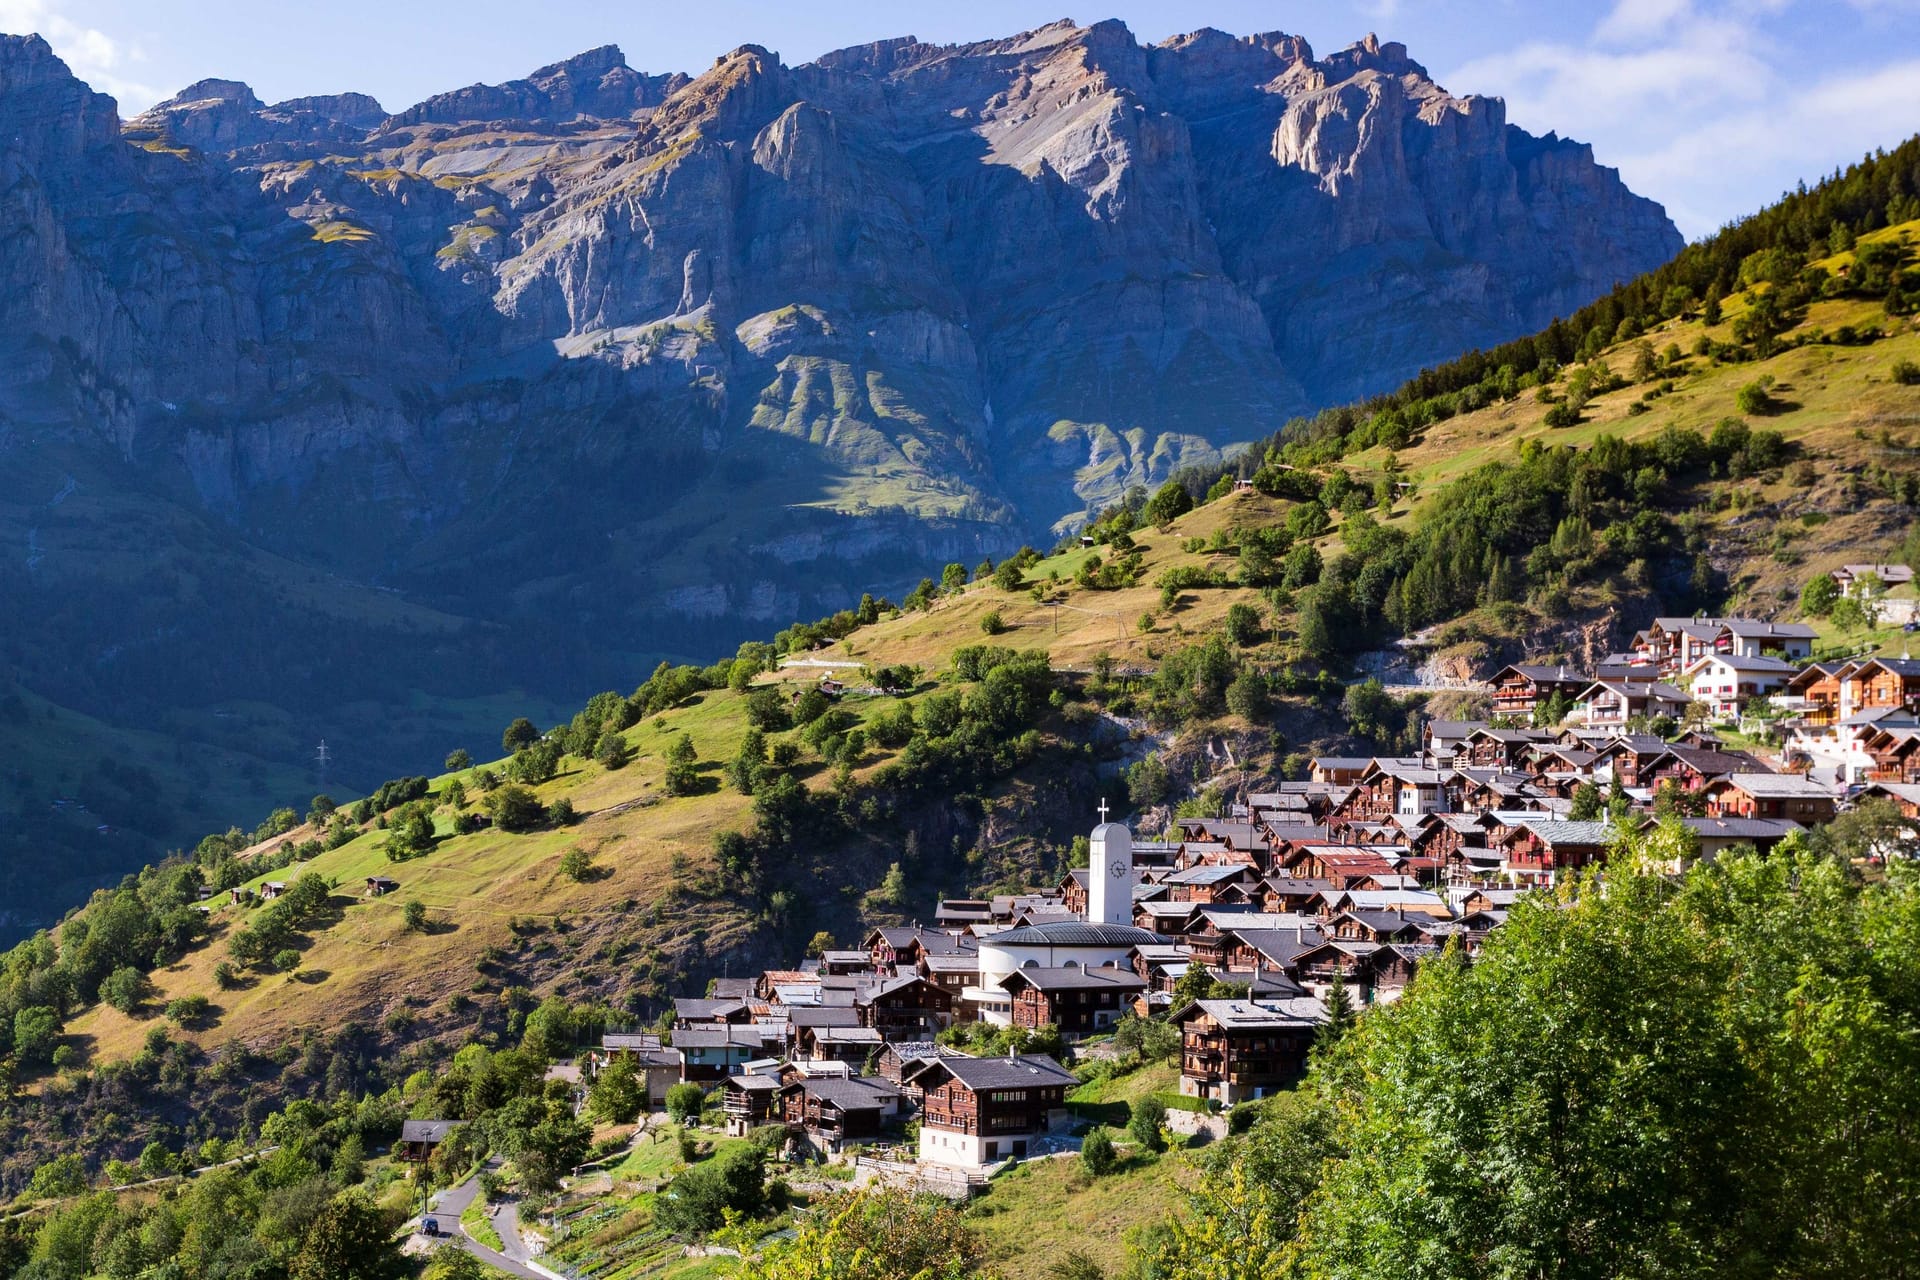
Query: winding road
[{"x": 448, "y": 1205}]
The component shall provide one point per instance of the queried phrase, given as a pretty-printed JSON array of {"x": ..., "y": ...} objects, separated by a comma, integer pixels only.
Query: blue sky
[{"x": 1712, "y": 107}]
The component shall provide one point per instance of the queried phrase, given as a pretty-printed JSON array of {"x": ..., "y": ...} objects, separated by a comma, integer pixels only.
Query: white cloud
[
  {"x": 91, "y": 53},
  {"x": 1700, "y": 105},
  {"x": 1633, "y": 20},
  {"x": 1807, "y": 131}
]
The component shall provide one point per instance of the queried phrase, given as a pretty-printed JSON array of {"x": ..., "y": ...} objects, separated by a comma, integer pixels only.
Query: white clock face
[{"x": 1117, "y": 869}]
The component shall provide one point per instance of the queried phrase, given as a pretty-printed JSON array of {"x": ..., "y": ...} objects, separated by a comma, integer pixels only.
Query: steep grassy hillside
[{"x": 501, "y": 912}]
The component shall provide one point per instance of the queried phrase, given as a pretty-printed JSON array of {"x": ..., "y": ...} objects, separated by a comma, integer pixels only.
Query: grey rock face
[{"x": 629, "y": 339}]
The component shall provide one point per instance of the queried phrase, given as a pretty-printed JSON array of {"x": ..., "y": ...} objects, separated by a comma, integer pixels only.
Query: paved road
[{"x": 448, "y": 1205}]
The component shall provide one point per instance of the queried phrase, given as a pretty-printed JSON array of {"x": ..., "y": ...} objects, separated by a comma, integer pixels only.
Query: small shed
[{"x": 378, "y": 885}]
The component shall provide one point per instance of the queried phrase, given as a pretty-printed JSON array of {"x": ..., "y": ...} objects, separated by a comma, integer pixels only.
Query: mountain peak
[
  {"x": 596, "y": 61},
  {"x": 213, "y": 90}
]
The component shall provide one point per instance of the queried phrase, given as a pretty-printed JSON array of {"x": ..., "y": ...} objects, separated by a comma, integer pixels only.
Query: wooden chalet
[
  {"x": 1373, "y": 926},
  {"x": 1904, "y": 794},
  {"x": 854, "y": 1046},
  {"x": 1820, "y": 690},
  {"x": 1886, "y": 682},
  {"x": 1894, "y": 750},
  {"x": 1211, "y": 883},
  {"x": 1234, "y": 1050},
  {"x": 832, "y": 1112},
  {"x": 978, "y": 1111},
  {"x": 1539, "y": 850},
  {"x": 1302, "y": 894},
  {"x": 908, "y": 1007},
  {"x": 1073, "y": 891},
  {"x": 1520, "y": 687},
  {"x": 1340, "y": 769},
  {"x": 1315, "y": 967},
  {"x": 690, "y": 1011},
  {"x": 1490, "y": 748},
  {"x": 1771, "y": 795},
  {"x": 750, "y": 1101},
  {"x": 420, "y": 1138},
  {"x": 1080, "y": 1002},
  {"x": 1267, "y": 948},
  {"x": 1694, "y": 767},
  {"x": 1342, "y": 866},
  {"x": 1628, "y": 755}
]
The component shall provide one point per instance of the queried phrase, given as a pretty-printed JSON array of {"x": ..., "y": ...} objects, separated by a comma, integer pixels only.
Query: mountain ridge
[{"x": 530, "y": 403}]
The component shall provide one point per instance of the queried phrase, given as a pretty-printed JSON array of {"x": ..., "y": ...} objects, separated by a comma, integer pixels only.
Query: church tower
[{"x": 1110, "y": 877}]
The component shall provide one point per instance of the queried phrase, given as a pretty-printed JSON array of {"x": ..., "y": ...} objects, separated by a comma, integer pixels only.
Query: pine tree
[{"x": 1340, "y": 1013}]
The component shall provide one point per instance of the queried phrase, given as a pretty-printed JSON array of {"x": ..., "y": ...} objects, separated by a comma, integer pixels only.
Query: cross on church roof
[{"x": 1103, "y": 810}]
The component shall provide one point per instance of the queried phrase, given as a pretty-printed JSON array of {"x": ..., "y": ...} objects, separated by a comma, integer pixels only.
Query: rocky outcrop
[
  {"x": 676, "y": 357},
  {"x": 597, "y": 83}
]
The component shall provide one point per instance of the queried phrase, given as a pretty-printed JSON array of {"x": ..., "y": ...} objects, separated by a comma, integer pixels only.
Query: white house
[{"x": 1725, "y": 680}]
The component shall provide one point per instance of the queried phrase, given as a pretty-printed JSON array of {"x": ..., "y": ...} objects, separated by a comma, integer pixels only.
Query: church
[{"x": 1103, "y": 939}]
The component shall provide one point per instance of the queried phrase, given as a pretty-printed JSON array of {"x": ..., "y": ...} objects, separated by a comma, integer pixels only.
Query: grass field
[{"x": 1039, "y": 1211}]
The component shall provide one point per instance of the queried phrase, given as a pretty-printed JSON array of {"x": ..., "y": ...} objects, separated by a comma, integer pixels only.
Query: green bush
[
  {"x": 1097, "y": 1154},
  {"x": 1149, "y": 1115},
  {"x": 699, "y": 1200},
  {"x": 684, "y": 1101},
  {"x": 1906, "y": 373}
]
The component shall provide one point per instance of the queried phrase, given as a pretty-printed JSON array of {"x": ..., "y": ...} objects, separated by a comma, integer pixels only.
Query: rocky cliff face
[{"x": 600, "y": 349}]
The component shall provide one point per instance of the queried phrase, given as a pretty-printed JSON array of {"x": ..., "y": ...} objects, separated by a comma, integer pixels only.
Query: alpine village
[{"x": 1462, "y": 829}]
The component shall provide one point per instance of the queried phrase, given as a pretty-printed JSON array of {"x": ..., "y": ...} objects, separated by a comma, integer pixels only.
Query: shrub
[
  {"x": 1817, "y": 597},
  {"x": 1149, "y": 1114},
  {"x": 993, "y": 624},
  {"x": 682, "y": 779},
  {"x": 1097, "y": 1154},
  {"x": 515, "y": 808},
  {"x": 1753, "y": 400},
  {"x": 125, "y": 988},
  {"x": 685, "y": 1100},
  {"x": 1906, "y": 373},
  {"x": 189, "y": 1011},
  {"x": 767, "y": 711},
  {"x": 577, "y": 865},
  {"x": 699, "y": 1200},
  {"x": 1243, "y": 624},
  {"x": 612, "y": 752},
  {"x": 414, "y": 915}
]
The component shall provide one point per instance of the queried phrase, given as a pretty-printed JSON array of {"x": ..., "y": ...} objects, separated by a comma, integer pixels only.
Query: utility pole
[{"x": 323, "y": 759}]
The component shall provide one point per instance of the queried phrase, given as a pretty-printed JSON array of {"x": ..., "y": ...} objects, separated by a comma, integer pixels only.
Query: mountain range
[{"x": 317, "y": 419}]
